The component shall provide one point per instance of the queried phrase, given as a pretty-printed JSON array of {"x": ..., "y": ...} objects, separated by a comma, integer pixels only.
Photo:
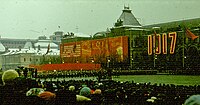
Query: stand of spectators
[{"x": 16, "y": 90}]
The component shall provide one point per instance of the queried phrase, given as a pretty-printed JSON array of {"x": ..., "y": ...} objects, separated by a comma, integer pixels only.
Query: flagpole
[
  {"x": 154, "y": 48},
  {"x": 183, "y": 48},
  {"x": 183, "y": 58}
]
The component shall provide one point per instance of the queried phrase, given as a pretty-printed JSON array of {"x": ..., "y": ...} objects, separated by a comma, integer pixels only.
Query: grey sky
[{"x": 33, "y": 18}]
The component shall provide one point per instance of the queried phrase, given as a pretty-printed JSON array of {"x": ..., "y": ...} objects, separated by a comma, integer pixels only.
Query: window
[
  {"x": 54, "y": 38},
  {"x": 24, "y": 59}
]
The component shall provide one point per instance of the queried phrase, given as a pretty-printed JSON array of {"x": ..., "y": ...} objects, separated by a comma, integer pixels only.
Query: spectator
[
  {"x": 85, "y": 91},
  {"x": 66, "y": 96},
  {"x": 48, "y": 97},
  {"x": 96, "y": 97},
  {"x": 8, "y": 92},
  {"x": 8, "y": 77},
  {"x": 193, "y": 100},
  {"x": 84, "y": 97}
]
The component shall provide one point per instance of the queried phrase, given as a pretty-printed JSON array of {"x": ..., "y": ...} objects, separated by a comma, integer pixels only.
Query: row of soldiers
[{"x": 27, "y": 72}]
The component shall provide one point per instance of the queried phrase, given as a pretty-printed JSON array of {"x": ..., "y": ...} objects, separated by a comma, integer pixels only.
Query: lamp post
[
  {"x": 184, "y": 61},
  {"x": 94, "y": 64},
  {"x": 154, "y": 62},
  {"x": 132, "y": 63},
  {"x": 108, "y": 63},
  {"x": 109, "y": 70}
]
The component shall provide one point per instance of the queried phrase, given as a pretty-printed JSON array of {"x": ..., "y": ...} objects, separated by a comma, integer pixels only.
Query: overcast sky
[{"x": 32, "y": 18}]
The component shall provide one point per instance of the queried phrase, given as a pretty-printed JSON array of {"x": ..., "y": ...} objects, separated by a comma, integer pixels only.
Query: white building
[{"x": 29, "y": 55}]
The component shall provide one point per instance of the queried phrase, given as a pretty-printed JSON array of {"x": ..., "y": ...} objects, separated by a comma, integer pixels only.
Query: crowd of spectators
[{"x": 16, "y": 90}]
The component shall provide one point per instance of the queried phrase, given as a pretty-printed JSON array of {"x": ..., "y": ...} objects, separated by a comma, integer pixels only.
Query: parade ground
[{"x": 162, "y": 79}]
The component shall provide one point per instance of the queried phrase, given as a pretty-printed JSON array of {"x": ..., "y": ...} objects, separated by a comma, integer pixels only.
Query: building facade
[
  {"x": 42, "y": 52},
  {"x": 127, "y": 45},
  {"x": 176, "y": 50}
]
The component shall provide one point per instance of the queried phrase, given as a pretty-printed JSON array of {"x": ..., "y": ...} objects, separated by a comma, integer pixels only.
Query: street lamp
[
  {"x": 132, "y": 63},
  {"x": 184, "y": 61},
  {"x": 109, "y": 71},
  {"x": 154, "y": 63},
  {"x": 94, "y": 64},
  {"x": 108, "y": 62}
]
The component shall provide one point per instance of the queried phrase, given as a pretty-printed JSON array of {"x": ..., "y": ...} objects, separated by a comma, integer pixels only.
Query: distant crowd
[
  {"x": 102, "y": 73},
  {"x": 18, "y": 90}
]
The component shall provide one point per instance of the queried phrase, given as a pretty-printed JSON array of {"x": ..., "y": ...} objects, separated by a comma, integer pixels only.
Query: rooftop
[{"x": 127, "y": 19}]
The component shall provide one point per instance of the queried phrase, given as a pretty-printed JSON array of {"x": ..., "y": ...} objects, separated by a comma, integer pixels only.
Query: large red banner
[
  {"x": 95, "y": 50},
  {"x": 67, "y": 67},
  {"x": 70, "y": 49}
]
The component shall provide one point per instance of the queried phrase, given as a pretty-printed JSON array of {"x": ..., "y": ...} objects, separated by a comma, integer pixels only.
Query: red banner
[
  {"x": 95, "y": 50},
  {"x": 70, "y": 49},
  {"x": 68, "y": 66}
]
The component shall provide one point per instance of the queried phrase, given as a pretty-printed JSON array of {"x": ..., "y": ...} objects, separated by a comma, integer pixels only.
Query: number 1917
[{"x": 158, "y": 46}]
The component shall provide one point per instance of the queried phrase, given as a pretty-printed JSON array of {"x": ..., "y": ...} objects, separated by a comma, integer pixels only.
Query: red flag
[
  {"x": 48, "y": 48},
  {"x": 189, "y": 34}
]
